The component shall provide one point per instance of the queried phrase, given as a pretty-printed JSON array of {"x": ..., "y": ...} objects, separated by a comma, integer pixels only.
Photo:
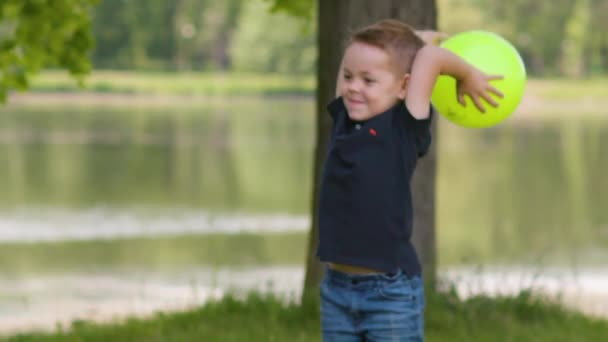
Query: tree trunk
[{"x": 336, "y": 19}]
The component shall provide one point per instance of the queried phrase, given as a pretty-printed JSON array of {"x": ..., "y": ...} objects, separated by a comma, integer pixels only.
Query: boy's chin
[{"x": 357, "y": 115}]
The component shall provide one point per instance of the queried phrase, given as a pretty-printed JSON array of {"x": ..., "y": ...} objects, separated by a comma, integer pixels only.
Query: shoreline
[
  {"x": 531, "y": 108},
  {"x": 112, "y": 298}
]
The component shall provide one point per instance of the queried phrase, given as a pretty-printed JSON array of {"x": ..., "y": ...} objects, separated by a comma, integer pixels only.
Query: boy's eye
[
  {"x": 347, "y": 77},
  {"x": 369, "y": 81}
]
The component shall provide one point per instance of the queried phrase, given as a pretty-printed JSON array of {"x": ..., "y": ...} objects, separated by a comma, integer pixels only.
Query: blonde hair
[{"x": 396, "y": 38}]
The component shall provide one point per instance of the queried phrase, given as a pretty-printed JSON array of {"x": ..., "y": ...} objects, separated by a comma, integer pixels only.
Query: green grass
[
  {"x": 214, "y": 83},
  {"x": 259, "y": 318},
  {"x": 130, "y": 82},
  {"x": 265, "y": 318},
  {"x": 521, "y": 318},
  {"x": 570, "y": 89}
]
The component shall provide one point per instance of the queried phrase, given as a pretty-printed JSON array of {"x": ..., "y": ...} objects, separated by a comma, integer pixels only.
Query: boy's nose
[{"x": 354, "y": 86}]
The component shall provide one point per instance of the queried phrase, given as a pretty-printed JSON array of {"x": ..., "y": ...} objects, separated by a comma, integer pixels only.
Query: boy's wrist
[{"x": 453, "y": 65}]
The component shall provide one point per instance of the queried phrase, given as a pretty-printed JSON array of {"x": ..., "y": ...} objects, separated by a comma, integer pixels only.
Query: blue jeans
[{"x": 374, "y": 307}]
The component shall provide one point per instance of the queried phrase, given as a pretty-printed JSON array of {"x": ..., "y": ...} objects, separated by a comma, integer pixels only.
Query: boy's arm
[{"x": 432, "y": 61}]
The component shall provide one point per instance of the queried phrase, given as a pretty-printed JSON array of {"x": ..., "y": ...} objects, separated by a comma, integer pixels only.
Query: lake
[{"x": 113, "y": 206}]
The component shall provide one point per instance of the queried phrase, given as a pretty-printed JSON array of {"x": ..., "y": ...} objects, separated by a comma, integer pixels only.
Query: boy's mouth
[{"x": 353, "y": 102}]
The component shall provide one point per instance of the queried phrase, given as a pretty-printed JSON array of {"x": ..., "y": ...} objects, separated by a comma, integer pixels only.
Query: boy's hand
[
  {"x": 477, "y": 86},
  {"x": 431, "y": 37}
]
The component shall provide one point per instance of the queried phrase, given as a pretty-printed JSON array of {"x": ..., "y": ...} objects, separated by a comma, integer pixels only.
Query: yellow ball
[{"x": 493, "y": 55}]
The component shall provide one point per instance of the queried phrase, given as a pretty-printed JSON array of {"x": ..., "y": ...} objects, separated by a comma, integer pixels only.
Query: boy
[{"x": 372, "y": 289}]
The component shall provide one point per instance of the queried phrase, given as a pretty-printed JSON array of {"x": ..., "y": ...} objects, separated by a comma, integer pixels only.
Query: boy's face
[{"x": 369, "y": 83}]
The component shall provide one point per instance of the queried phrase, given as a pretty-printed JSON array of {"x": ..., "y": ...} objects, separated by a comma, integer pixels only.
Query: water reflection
[
  {"x": 522, "y": 192},
  {"x": 527, "y": 190},
  {"x": 228, "y": 159},
  {"x": 91, "y": 193}
]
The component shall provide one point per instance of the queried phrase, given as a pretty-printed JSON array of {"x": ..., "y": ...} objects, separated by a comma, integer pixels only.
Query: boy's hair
[{"x": 397, "y": 38}]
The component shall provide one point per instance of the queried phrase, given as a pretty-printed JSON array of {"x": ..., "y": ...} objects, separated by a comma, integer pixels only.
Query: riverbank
[
  {"x": 261, "y": 317},
  {"x": 107, "y": 296},
  {"x": 212, "y": 84},
  {"x": 544, "y": 99}
]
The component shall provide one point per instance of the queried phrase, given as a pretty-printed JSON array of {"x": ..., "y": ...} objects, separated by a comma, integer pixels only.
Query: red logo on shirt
[{"x": 373, "y": 132}]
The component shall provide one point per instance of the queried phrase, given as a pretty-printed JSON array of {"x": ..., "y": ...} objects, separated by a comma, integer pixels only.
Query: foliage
[
  {"x": 297, "y": 8},
  {"x": 164, "y": 34},
  {"x": 241, "y": 35},
  {"x": 200, "y": 35},
  {"x": 573, "y": 47},
  {"x": 259, "y": 46},
  {"x": 39, "y": 33}
]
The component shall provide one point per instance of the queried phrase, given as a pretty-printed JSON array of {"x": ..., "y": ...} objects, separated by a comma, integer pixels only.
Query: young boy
[{"x": 372, "y": 289}]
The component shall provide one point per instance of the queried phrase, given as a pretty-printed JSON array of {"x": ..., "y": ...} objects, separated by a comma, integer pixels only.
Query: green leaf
[
  {"x": 297, "y": 8},
  {"x": 43, "y": 33}
]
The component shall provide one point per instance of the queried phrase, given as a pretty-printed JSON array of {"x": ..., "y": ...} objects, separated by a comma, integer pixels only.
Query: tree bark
[{"x": 336, "y": 19}]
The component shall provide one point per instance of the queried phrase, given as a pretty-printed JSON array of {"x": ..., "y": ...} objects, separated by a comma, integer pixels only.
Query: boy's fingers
[
  {"x": 490, "y": 100},
  {"x": 461, "y": 99},
  {"x": 478, "y": 104},
  {"x": 496, "y": 92},
  {"x": 495, "y": 77}
]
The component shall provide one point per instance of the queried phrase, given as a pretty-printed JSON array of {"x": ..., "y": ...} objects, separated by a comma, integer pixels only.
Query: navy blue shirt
[{"x": 365, "y": 203}]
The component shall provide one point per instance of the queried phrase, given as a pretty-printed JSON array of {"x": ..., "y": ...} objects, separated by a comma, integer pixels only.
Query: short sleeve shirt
[{"x": 365, "y": 206}]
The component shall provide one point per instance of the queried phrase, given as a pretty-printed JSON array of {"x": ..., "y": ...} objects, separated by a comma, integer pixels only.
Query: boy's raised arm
[{"x": 432, "y": 61}]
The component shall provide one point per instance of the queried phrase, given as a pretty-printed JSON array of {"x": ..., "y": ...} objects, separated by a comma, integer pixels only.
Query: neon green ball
[{"x": 493, "y": 55}]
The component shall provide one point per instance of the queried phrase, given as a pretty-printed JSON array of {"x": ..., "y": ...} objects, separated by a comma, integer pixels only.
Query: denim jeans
[{"x": 374, "y": 307}]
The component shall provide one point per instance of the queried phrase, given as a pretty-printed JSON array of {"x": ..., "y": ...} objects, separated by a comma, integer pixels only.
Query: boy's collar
[{"x": 336, "y": 106}]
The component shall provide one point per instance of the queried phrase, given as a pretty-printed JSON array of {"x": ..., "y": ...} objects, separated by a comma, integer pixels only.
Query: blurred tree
[
  {"x": 118, "y": 45},
  {"x": 561, "y": 37},
  {"x": 131, "y": 36},
  {"x": 40, "y": 33},
  {"x": 258, "y": 46},
  {"x": 218, "y": 25},
  {"x": 164, "y": 34},
  {"x": 576, "y": 39},
  {"x": 598, "y": 42},
  {"x": 459, "y": 15},
  {"x": 201, "y": 35},
  {"x": 526, "y": 24},
  {"x": 215, "y": 35}
]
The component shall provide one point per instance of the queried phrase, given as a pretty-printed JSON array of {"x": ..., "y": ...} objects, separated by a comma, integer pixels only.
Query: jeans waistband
[{"x": 354, "y": 279}]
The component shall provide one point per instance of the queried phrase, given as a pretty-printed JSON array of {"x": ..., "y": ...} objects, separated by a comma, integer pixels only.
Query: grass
[
  {"x": 258, "y": 318},
  {"x": 214, "y": 83},
  {"x": 521, "y": 318},
  {"x": 570, "y": 89},
  {"x": 131, "y": 82},
  {"x": 266, "y": 318}
]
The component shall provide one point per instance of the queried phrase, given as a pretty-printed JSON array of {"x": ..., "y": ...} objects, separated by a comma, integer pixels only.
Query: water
[
  {"x": 45, "y": 225},
  {"x": 110, "y": 209}
]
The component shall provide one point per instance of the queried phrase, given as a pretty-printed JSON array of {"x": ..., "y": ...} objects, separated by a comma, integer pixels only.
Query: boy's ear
[{"x": 403, "y": 87}]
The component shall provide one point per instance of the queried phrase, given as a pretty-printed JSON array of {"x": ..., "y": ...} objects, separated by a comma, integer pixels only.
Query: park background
[{"x": 181, "y": 169}]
